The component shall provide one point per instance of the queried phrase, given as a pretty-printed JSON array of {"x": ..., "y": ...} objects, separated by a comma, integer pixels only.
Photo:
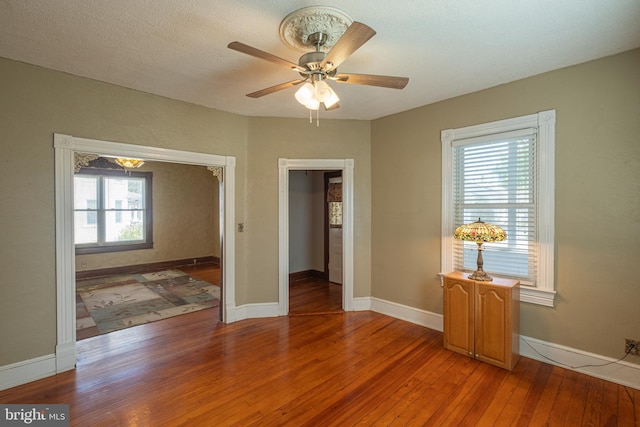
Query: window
[
  {"x": 112, "y": 211},
  {"x": 334, "y": 201},
  {"x": 503, "y": 173}
]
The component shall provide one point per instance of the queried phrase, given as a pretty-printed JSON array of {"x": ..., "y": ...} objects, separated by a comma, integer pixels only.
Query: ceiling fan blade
[
  {"x": 275, "y": 88},
  {"x": 392, "y": 82},
  {"x": 241, "y": 47},
  {"x": 356, "y": 35}
]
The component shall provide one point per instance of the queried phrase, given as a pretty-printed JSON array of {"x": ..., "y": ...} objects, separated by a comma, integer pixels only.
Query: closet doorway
[
  {"x": 315, "y": 242},
  {"x": 345, "y": 168}
]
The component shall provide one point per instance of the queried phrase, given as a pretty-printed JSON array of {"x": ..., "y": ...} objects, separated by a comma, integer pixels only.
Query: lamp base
[{"x": 480, "y": 276}]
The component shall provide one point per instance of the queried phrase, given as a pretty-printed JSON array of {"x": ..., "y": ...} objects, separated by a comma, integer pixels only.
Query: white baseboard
[
  {"x": 619, "y": 372},
  {"x": 361, "y": 303},
  {"x": 66, "y": 357},
  {"x": 26, "y": 371},
  {"x": 253, "y": 311},
  {"x": 410, "y": 314}
]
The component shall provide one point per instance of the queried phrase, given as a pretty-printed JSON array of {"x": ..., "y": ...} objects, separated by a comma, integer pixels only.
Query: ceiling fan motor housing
[{"x": 312, "y": 60}]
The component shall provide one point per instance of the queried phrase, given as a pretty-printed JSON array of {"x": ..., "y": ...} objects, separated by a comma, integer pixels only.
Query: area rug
[{"x": 111, "y": 303}]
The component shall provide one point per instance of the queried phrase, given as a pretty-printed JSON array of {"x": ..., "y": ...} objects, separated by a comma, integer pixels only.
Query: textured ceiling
[{"x": 178, "y": 49}]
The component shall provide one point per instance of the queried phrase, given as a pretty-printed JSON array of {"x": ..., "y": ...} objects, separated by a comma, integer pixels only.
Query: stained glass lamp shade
[{"x": 480, "y": 232}]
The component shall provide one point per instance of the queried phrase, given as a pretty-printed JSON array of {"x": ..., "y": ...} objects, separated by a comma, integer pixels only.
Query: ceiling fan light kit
[
  {"x": 325, "y": 94},
  {"x": 306, "y": 96},
  {"x": 333, "y": 36},
  {"x": 311, "y": 95}
]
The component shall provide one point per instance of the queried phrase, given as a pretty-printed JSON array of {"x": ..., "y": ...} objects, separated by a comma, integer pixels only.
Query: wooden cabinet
[{"x": 482, "y": 319}]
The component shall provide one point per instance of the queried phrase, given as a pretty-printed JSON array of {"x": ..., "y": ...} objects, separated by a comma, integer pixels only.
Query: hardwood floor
[
  {"x": 348, "y": 369},
  {"x": 314, "y": 296},
  {"x": 208, "y": 272}
]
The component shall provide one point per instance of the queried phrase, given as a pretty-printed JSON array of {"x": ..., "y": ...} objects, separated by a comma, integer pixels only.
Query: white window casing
[{"x": 541, "y": 290}]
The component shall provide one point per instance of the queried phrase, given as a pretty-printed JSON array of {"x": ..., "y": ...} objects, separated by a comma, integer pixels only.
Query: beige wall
[
  {"x": 273, "y": 138},
  {"x": 597, "y": 199},
  {"x": 185, "y": 218},
  {"x": 36, "y": 103}
]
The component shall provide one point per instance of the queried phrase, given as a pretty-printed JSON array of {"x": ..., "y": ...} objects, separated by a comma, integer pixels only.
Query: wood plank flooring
[
  {"x": 208, "y": 272},
  {"x": 308, "y": 296},
  {"x": 348, "y": 369},
  {"x": 314, "y": 296}
]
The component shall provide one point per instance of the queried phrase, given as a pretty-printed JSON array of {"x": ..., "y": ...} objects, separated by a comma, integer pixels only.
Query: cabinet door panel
[
  {"x": 492, "y": 325},
  {"x": 458, "y": 316}
]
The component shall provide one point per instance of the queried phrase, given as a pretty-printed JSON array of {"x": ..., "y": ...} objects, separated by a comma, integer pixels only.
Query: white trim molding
[
  {"x": 256, "y": 311},
  {"x": 361, "y": 303},
  {"x": 410, "y": 314},
  {"x": 65, "y": 147},
  {"x": 544, "y": 122},
  {"x": 595, "y": 365},
  {"x": 286, "y": 165},
  {"x": 619, "y": 372},
  {"x": 28, "y": 370}
]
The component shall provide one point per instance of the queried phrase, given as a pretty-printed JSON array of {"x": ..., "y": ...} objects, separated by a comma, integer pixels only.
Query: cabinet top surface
[{"x": 457, "y": 275}]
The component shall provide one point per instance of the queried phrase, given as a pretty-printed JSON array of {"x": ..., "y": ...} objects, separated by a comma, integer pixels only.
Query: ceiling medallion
[{"x": 297, "y": 26}]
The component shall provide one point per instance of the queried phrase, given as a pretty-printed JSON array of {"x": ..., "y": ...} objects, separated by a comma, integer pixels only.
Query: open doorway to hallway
[
  {"x": 285, "y": 166},
  {"x": 315, "y": 241}
]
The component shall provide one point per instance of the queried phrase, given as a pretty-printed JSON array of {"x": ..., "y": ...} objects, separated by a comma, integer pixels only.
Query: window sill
[
  {"x": 115, "y": 248},
  {"x": 537, "y": 296}
]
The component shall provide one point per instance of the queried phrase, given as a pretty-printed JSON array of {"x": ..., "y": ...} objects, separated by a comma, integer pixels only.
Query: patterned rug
[{"x": 117, "y": 302}]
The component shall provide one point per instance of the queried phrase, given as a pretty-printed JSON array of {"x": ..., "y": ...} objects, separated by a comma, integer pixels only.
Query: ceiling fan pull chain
[
  {"x": 318, "y": 117},
  {"x": 310, "y": 116}
]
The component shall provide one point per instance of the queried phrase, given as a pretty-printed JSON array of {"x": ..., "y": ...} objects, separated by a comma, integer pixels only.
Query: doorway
[
  {"x": 142, "y": 242},
  {"x": 345, "y": 167},
  {"x": 315, "y": 242},
  {"x": 65, "y": 148}
]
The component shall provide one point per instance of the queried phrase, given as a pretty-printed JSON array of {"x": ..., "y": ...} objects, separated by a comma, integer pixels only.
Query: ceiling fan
[{"x": 333, "y": 36}]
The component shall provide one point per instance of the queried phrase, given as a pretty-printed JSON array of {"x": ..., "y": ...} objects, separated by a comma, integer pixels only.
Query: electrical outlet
[{"x": 632, "y": 347}]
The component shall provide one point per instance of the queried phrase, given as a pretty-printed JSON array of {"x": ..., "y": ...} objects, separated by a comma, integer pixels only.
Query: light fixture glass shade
[
  {"x": 313, "y": 104},
  {"x": 129, "y": 163},
  {"x": 332, "y": 99},
  {"x": 305, "y": 94},
  {"x": 322, "y": 91},
  {"x": 480, "y": 232},
  {"x": 311, "y": 95}
]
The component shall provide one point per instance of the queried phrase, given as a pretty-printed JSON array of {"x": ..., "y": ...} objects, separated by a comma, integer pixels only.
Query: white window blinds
[{"x": 494, "y": 179}]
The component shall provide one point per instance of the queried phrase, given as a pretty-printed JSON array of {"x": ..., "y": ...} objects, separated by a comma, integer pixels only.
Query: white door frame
[
  {"x": 284, "y": 166},
  {"x": 65, "y": 147}
]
